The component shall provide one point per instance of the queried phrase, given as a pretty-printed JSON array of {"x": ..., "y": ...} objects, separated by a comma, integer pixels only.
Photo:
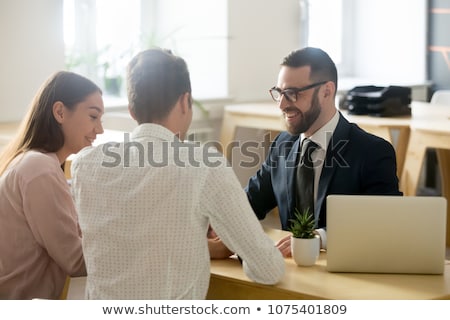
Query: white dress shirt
[{"x": 144, "y": 209}]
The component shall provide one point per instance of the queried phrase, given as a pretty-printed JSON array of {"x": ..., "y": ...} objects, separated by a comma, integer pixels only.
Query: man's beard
[{"x": 307, "y": 118}]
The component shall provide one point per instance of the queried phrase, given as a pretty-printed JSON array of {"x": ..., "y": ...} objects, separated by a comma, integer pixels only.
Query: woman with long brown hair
[{"x": 40, "y": 240}]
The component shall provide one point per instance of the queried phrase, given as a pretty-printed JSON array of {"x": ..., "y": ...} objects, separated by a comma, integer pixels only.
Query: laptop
[{"x": 386, "y": 234}]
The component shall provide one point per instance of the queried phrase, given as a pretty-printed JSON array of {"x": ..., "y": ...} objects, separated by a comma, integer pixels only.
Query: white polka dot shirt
[{"x": 144, "y": 208}]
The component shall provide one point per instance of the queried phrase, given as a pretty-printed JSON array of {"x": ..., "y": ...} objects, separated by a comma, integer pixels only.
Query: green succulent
[{"x": 302, "y": 225}]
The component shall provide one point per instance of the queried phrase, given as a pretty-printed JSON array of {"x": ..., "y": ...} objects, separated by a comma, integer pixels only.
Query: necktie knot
[{"x": 308, "y": 147}]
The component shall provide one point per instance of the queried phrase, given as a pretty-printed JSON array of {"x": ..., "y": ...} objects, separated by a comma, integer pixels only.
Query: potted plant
[
  {"x": 112, "y": 81},
  {"x": 305, "y": 245}
]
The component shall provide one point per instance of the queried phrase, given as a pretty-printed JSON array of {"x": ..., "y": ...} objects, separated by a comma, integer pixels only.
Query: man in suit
[{"x": 347, "y": 159}]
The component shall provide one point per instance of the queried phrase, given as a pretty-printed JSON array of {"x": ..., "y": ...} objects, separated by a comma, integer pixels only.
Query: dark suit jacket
[{"x": 356, "y": 163}]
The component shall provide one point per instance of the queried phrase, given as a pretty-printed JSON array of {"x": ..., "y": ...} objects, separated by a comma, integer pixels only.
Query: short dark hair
[
  {"x": 155, "y": 80},
  {"x": 322, "y": 67}
]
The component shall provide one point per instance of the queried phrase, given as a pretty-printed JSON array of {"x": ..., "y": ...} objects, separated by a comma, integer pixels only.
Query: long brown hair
[{"x": 39, "y": 129}]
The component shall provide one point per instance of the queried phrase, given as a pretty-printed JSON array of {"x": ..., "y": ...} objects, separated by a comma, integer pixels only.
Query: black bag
[{"x": 376, "y": 101}]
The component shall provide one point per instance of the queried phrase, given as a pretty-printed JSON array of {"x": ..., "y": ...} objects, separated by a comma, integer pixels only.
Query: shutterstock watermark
[{"x": 252, "y": 153}]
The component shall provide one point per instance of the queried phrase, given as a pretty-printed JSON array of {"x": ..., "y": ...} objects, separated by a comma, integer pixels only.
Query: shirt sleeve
[
  {"x": 50, "y": 212},
  {"x": 380, "y": 169},
  {"x": 323, "y": 238},
  {"x": 235, "y": 223},
  {"x": 260, "y": 192}
]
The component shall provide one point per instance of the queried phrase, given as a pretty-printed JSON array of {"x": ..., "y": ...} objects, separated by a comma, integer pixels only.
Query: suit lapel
[
  {"x": 341, "y": 133},
  {"x": 291, "y": 165}
]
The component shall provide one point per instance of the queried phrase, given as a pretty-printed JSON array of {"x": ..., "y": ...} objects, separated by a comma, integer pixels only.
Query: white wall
[
  {"x": 261, "y": 33},
  {"x": 390, "y": 40},
  {"x": 32, "y": 48}
]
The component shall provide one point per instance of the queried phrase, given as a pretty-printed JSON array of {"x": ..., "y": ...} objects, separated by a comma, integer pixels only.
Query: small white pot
[{"x": 305, "y": 252}]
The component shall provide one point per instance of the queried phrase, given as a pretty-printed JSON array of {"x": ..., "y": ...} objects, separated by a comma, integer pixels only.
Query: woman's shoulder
[
  {"x": 32, "y": 163},
  {"x": 38, "y": 157}
]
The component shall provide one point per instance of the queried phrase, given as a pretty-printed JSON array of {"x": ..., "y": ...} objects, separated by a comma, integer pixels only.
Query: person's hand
[
  {"x": 211, "y": 234},
  {"x": 217, "y": 249},
  {"x": 284, "y": 245},
  {"x": 318, "y": 234}
]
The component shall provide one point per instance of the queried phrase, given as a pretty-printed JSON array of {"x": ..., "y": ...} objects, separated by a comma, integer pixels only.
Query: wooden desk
[
  {"x": 428, "y": 133},
  {"x": 384, "y": 128},
  {"x": 228, "y": 281},
  {"x": 250, "y": 115},
  {"x": 268, "y": 116}
]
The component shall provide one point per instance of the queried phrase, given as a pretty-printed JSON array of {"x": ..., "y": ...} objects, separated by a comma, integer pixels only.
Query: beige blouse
[{"x": 40, "y": 240}]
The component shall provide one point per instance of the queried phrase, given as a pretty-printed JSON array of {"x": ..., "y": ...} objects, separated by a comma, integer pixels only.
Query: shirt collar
[
  {"x": 155, "y": 131},
  {"x": 323, "y": 136}
]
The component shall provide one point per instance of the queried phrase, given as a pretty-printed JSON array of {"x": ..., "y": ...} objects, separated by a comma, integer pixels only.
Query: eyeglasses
[{"x": 291, "y": 93}]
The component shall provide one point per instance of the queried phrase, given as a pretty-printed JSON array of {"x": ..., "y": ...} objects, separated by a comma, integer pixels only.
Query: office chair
[{"x": 441, "y": 97}]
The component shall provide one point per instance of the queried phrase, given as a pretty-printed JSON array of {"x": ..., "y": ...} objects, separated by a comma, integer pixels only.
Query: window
[
  {"x": 101, "y": 36},
  {"x": 324, "y": 25},
  {"x": 378, "y": 42}
]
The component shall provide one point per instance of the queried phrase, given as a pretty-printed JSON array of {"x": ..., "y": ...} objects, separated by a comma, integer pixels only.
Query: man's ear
[
  {"x": 186, "y": 103},
  {"x": 131, "y": 111},
  {"x": 329, "y": 89},
  {"x": 59, "y": 111}
]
